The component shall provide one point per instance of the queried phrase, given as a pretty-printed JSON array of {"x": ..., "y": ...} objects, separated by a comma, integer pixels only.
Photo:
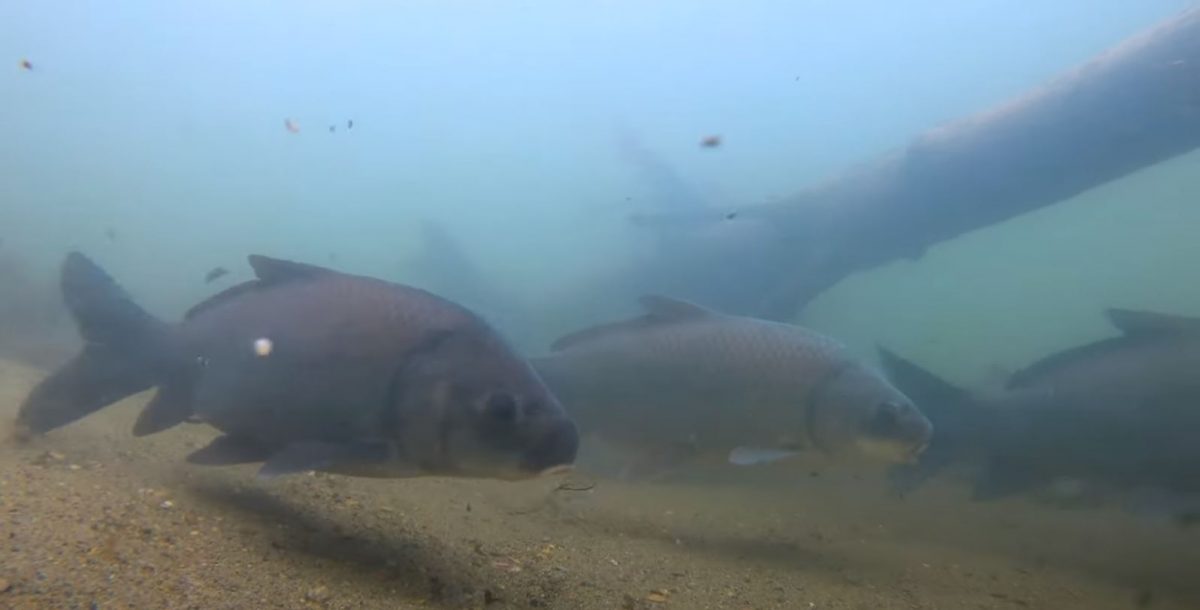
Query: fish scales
[{"x": 685, "y": 375}]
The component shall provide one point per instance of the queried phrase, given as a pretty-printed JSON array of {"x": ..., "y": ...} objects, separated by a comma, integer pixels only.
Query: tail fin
[
  {"x": 948, "y": 407},
  {"x": 120, "y": 341}
]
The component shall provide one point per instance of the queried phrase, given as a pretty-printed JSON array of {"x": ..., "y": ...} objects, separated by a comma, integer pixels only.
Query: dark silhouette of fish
[
  {"x": 216, "y": 272},
  {"x": 350, "y": 124},
  {"x": 710, "y": 142},
  {"x": 307, "y": 368},
  {"x": 1121, "y": 411},
  {"x": 682, "y": 380}
]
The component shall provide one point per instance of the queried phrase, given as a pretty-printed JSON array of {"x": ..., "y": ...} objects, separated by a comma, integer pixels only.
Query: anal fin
[{"x": 171, "y": 405}]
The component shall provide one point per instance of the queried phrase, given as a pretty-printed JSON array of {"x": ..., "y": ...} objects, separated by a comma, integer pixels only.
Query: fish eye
[
  {"x": 501, "y": 406},
  {"x": 887, "y": 416}
]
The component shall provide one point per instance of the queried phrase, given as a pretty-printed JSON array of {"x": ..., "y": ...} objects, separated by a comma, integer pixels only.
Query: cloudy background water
[{"x": 163, "y": 124}]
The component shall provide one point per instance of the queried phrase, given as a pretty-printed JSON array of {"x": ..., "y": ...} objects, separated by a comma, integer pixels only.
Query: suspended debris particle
[
  {"x": 710, "y": 142},
  {"x": 263, "y": 347},
  {"x": 214, "y": 274}
]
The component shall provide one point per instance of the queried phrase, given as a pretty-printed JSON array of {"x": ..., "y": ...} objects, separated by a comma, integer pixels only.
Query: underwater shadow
[
  {"x": 414, "y": 566},
  {"x": 785, "y": 551}
]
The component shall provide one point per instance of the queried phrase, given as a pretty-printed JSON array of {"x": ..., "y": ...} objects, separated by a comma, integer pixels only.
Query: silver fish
[{"x": 752, "y": 390}]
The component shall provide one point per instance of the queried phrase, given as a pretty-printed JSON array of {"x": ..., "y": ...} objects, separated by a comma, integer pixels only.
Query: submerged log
[{"x": 1136, "y": 105}]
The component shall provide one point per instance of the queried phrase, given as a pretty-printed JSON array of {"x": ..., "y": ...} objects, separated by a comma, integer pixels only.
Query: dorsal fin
[
  {"x": 1038, "y": 371},
  {"x": 660, "y": 310},
  {"x": 1137, "y": 328},
  {"x": 276, "y": 270},
  {"x": 1136, "y": 322},
  {"x": 270, "y": 272},
  {"x": 669, "y": 309},
  {"x": 221, "y": 297}
]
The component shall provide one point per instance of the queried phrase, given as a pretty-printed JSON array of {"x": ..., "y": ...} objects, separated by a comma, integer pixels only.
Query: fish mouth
[
  {"x": 554, "y": 450},
  {"x": 556, "y": 470},
  {"x": 914, "y": 454}
]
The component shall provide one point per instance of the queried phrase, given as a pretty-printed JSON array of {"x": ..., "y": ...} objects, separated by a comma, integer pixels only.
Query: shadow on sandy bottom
[
  {"x": 795, "y": 552},
  {"x": 366, "y": 551},
  {"x": 1151, "y": 561}
]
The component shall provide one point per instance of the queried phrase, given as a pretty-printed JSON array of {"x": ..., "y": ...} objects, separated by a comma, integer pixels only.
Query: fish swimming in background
[
  {"x": 215, "y": 273},
  {"x": 110, "y": 234},
  {"x": 26, "y": 64},
  {"x": 332, "y": 128},
  {"x": 1120, "y": 411},
  {"x": 306, "y": 368},
  {"x": 710, "y": 142},
  {"x": 682, "y": 380},
  {"x": 291, "y": 126},
  {"x": 350, "y": 124}
]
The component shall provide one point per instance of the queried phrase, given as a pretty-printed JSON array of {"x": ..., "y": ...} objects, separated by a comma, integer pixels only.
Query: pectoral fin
[{"x": 749, "y": 456}]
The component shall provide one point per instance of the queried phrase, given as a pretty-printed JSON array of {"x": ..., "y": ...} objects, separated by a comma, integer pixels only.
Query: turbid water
[{"x": 94, "y": 518}]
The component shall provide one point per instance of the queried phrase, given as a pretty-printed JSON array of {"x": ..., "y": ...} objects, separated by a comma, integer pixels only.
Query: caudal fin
[
  {"x": 120, "y": 343},
  {"x": 948, "y": 407}
]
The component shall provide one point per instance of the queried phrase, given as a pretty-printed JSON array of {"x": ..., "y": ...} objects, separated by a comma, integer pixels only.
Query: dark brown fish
[
  {"x": 1121, "y": 411},
  {"x": 307, "y": 368},
  {"x": 710, "y": 142},
  {"x": 26, "y": 64},
  {"x": 749, "y": 390},
  {"x": 216, "y": 272}
]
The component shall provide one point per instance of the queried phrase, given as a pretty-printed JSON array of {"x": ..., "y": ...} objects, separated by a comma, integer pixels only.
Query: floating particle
[
  {"x": 710, "y": 142},
  {"x": 263, "y": 347},
  {"x": 291, "y": 126},
  {"x": 215, "y": 273}
]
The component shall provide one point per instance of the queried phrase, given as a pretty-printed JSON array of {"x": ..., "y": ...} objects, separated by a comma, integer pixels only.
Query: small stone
[
  {"x": 317, "y": 594},
  {"x": 166, "y": 504},
  {"x": 657, "y": 596},
  {"x": 74, "y": 466},
  {"x": 5, "y": 586}
]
